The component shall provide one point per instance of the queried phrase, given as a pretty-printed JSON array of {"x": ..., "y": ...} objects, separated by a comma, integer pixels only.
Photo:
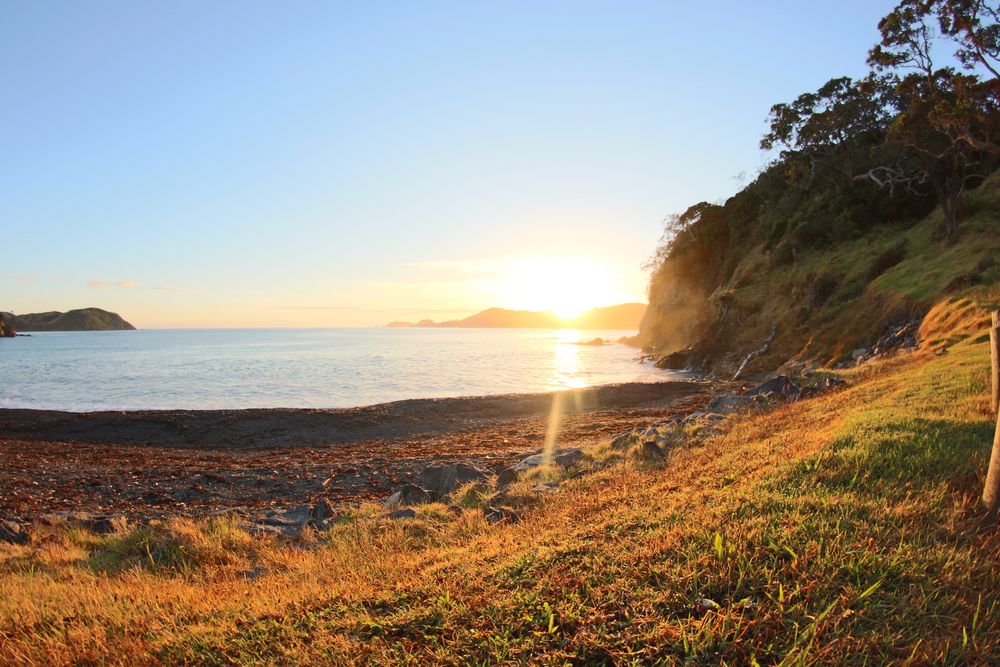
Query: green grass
[{"x": 844, "y": 529}]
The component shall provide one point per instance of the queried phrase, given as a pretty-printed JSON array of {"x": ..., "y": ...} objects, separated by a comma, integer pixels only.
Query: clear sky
[{"x": 345, "y": 164}]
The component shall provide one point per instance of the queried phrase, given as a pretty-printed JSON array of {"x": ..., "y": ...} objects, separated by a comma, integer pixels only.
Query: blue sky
[{"x": 333, "y": 163}]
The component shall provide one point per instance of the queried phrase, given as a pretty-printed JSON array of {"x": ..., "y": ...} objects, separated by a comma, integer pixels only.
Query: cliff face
[
  {"x": 83, "y": 319},
  {"x": 6, "y": 327}
]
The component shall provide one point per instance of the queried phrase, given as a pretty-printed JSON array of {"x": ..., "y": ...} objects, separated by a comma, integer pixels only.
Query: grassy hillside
[
  {"x": 839, "y": 529},
  {"x": 829, "y": 298}
]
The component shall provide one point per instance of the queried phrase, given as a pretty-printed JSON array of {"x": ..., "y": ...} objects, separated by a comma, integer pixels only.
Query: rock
[
  {"x": 623, "y": 440},
  {"x": 324, "y": 524},
  {"x": 495, "y": 515},
  {"x": 562, "y": 458},
  {"x": 408, "y": 494},
  {"x": 675, "y": 361},
  {"x": 897, "y": 337},
  {"x": 100, "y": 524},
  {"x": 533, "y": 461},
  {"x": 859, "y": 354},
  {"x": 323, "y": 510},
  {"x": 729, "y": 404},
  {"x": 405, "y": 513},
  {"x": 6, "y": 328},
  {"x": 648, "y": 451},
  {"x": 104, "y": 525},
  {"x": 286, "y": 530},
  {"x": 12, "y": 532},
  {"x": 782, "y": 387},
  {"x": 442, "y": 479},
  {"x": 506, "y": 477},
  {"x": 294, "y": 516},
  {"x": 705, "y": 604},
  {"x": 569, "y": 457},
  {"x": 826, "y": 384},
  {"x": 548, "y": 487},
  {"x": 592, "y": 341}
]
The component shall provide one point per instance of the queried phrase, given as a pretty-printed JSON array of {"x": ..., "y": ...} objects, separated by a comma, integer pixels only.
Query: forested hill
[
  {"x": 83, "y": 319},
  {"x": 881, "y": 200}
]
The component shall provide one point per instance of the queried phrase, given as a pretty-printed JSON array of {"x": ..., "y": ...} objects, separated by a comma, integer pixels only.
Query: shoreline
[
  {"x": 145, "y": 464},
  {"x": 270, "y": 427}
]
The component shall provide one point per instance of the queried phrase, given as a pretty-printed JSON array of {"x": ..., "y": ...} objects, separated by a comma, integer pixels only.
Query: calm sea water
[{"x": 319, "y": 368}]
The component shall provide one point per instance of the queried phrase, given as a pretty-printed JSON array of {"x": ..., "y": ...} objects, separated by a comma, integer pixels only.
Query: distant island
[
  {"x": 81, "y": 319},
  {"x": 623, "y": 316}
]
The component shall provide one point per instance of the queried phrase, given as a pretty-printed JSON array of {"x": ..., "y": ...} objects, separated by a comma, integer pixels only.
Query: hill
[
  {"x": 624, "y": 316},
  {"x": 824, "y": 301},
  {"x": 83, "y": 319}
]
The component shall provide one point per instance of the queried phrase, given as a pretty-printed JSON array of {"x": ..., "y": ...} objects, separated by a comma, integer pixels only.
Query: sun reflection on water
[
  {"x": 567, "y": 360},
  {"x": 565, "y": 377}
]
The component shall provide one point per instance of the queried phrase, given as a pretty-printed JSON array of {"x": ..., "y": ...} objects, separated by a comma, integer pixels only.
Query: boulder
[
  {"x": 442, "y": 479},
  {"x": 729, "y": 403},
  {"x": 408, "y": 494},
  {"x": 860, "y": 354},
  {"x": 648, "y": 452},
  {"x": 675, "y": 361},
  {"x": 781, "y": 387},
  {"x": 405, "y": 513},
  {"x": 506, "y": 477},
  {"x": 323, "y": 510},
  {"x": 495, "y": 515},
  {"x": 824, "y": 385},
  {"x": 563, "y": 458},
  {"x": 286, "y": 530},
  {"x": 623, "y": 440},
  {"x": 101, "y": 524},
  {"x": 548, "y": 487},
  {"x": 294, "y": 516},
  {"x": 12, "y": 532}
]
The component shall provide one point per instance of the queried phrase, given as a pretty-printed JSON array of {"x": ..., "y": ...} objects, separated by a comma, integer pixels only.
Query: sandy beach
[{"x": 157, "y": 463}]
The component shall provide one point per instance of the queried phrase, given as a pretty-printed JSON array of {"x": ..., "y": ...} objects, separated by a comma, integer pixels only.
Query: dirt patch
[{"x": 200, "y": 462}]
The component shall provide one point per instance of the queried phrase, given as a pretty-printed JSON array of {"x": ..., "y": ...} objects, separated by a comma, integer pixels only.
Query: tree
[
  {"x": 946, "y": 120},
  {"x": 828, "y": 132},
  {"x": 975, "y": 26}
]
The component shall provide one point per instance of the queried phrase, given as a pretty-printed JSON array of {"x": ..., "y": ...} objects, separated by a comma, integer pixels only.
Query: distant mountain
[
  {"x": 623, "y": 316},
  {"x": 83, "y": 319}
]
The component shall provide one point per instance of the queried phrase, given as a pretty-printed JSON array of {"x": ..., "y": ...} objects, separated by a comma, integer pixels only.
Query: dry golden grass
[{"x": 839, "y": 530}]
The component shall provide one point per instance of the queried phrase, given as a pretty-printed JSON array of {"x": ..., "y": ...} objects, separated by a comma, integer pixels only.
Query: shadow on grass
[{"x": 896, "y": 456}]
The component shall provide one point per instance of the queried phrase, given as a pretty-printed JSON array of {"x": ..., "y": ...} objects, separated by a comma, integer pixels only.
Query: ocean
[{"x": 301, "y": 368}]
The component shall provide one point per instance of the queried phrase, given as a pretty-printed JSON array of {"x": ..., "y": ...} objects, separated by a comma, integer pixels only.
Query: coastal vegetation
[
  {"x": 829, "y": 515},
  {"x": 879, "y": 203}
]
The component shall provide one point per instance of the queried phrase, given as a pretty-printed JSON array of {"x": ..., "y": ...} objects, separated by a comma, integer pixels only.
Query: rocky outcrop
[
  {"x": 6, "y": 327},
  {"x": 440, "y": 480}
]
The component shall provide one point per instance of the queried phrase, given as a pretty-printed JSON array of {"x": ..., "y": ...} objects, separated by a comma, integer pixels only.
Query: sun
[
  {"x": 569, "y": 311},
  {"x": 565, "y": 286}
]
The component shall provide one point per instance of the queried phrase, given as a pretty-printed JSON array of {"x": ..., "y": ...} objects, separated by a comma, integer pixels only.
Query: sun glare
[{"x": 566, "y": 286}]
